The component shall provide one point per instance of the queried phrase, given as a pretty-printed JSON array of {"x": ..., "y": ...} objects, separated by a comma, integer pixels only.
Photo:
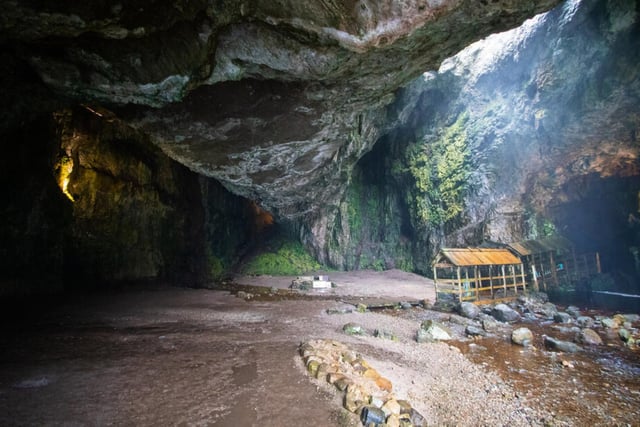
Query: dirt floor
[{"x": 170, "y": 356}]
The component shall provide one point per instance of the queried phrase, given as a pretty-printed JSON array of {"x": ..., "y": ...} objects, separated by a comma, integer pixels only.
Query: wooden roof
[
  {"x": 539, "y": 246},
  {"x": 464, "y": 257}
]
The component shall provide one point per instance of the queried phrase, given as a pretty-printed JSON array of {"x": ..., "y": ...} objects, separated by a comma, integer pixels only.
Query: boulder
[
  {"x": 574, "y": 311},
  {"x": 631, "y": 317},
  {"x": 353, "y": 329},
  {"x": 431, "y": 331},
  {"x": 490, "y": 325},
  {"x": 522, "y": 336},
  {"x": 585, "y": 321},
  {"x": 548, "y": 310},
  {"x": 588, "y": 337},
  {"x": 469, "y": 310},
  {"x": 624, "y": 334},
  {"x": 474, "y": 331},
  {"x": 562, "y": 317},
  {"x": 559, "y": 345},
  {"x": 610, "y": 323},
  {"x": 460, "y": 320},
  {"x": 504, "y": 313}
]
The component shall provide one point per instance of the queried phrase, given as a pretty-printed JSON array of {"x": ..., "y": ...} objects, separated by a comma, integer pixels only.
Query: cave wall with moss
[{"x": 511, "y": 139}]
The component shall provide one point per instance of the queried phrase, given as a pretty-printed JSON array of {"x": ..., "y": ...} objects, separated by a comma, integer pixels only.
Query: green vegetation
[
  {"x": 289, "y": 259},
  {"x": 440, "y": 170}
]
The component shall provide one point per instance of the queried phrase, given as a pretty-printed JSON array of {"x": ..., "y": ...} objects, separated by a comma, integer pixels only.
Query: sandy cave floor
[{"x": 174, "y": 356}]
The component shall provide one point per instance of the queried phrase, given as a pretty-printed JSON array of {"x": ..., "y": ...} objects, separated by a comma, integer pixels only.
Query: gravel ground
[{"x": 203, "y": 357}]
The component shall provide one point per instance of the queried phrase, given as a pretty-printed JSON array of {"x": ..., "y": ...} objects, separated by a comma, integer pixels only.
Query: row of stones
[{"x": 366, "y": 392}]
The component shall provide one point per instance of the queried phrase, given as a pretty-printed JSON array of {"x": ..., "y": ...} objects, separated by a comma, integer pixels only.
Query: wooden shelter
[
  {"x": 475, "y": 274},
  {"x": 553, "y": 260}
]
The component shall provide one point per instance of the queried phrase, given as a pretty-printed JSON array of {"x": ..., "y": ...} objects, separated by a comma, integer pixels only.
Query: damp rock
[
  {"x": 431, "y": 331},
  {"x": 585, "y": 321},
  {"x": 372, "y": 415},
  {"x": 574, "y": 311},
  {"x": 588, "y": 337},
  {"x": 469, "y": 310},
  {"x": 353, "y": 329},
  {"x": 522, "y": 336},
  {"x": 559, "y": 345},
  {"x": 562, "y": 317},
  {"x": 504, "y": 313},
  {"x": 474, "y": 331},
  {"x": 624, "y": 334},
  {"x": 490, "y": 325},
  {"x": 610, "y": 323}
]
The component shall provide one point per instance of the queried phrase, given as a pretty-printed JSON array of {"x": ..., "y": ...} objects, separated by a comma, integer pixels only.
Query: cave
[{"x": 163, "y": 158}]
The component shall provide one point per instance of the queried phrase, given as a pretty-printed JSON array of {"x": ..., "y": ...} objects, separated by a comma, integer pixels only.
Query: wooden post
[
  {"x": 599, "y": 270},
  {"x": 515, "y": 279},
  {"x": 459, "y": 286},
  {"x": 504, "y": 280},
  {"x": 534, "y": 273},
  {"x": 435, "y": 280},
  {"x": 552, "y": 264},
  {"x": 466, "y": 277},
  {"x": 524, "y": 282},
  {"x": 475, "y": 276},
  {"x": 491, "y": 280},
  {"x": 575, "y": 263}
]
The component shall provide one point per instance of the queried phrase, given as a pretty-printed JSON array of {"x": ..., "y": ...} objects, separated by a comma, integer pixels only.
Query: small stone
[
  {"x": 353, "y": 329},
  {"x": 610, "y": 323},
  {"x": 406, "y": 305},
  {"x": 573, "y": 311},
  {"x": 384, "y": 384},
  {"x": 379, "y": 333},
  {"x": 522, "y": 336},
  {"x": 372, "y": 415},
  {"x": 241, "y": 294},
  {"x": 417, "y": 419},
  {"x": 333, "y": 377},
  {"x": 361, "y": 308},
  {"x": 631, "y": 317},
  {"x": 567, "y": 364},
  {"x": 322, "y": 371},
  {"x": 355, "y": 397},
  {"x": 433, "y": 331},
  {"x": 405, "y": 407},
  {"x": 393, "y": 420},
  {"x": 588, "y": 337},
  {"x": 371, "y": 373},
  {"x": 562, "y": 317},
  {"x": 624, "y": 334},
  {"x": 312, "y": 367},
  {"x": 391, "y": 407},
  {"x": 474, "y": 331},
  {"x": 564, "y": 346},
  {"x": 342, "y": 383},
  {"x": 490, "y": 325},
  {"x": 376, "y": 401},
  {"x": 585, "y": 321}
]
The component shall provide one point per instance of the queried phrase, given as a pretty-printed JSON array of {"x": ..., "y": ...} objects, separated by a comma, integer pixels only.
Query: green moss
[
  {"x": 440, "y": 170},
  {"x": 289, "y": 259}
]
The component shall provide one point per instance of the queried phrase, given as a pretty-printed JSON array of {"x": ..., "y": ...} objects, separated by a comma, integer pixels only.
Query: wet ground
[{"x": 199, "y": 357}]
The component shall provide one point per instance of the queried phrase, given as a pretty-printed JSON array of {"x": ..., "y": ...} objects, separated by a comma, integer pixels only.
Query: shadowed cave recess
[{"x": 179, "y": 145}]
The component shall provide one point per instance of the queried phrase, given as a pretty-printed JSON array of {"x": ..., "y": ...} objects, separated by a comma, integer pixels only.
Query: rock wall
[
  {"x": 501, "y": 142},
  {"x": 93, "y": 203}
]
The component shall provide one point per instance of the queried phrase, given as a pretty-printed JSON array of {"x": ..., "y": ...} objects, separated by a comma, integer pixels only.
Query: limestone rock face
[{"x": 276, "y": 100}]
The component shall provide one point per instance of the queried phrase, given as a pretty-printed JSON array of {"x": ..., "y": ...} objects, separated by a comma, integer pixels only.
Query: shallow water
[{"x": 598, "y": 386}]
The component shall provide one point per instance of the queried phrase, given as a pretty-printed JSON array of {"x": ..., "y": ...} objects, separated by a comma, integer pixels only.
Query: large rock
[
  {"x": 431, "y": 331},
  {"x": 559, "y": 345},
  {"x": 589, "y": 337},
  {"x": 504, "y": 313},
  {"x": 469, "y": 310},
  {"x": 522, "y": 336},
  {"x": 562, "y": 317}
]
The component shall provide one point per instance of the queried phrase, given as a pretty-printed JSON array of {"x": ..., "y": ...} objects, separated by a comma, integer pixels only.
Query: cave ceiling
[{"x": 275, "y": 99}]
